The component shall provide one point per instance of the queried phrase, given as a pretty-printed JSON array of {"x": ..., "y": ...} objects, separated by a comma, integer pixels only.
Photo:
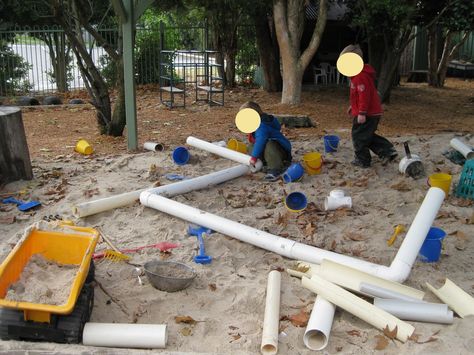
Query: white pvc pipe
[
  {"x": 154, "y": 147},
  {"x": 115, "y": 335},
  {"x": 105, "y": 204},
  {"x": 224, "y": 152},
  {"x": 272, "y": 314},
  {"x": 459, "y": 300},
  {"x": 381, "y": 292},
  {"x": 416, "y": 311},
  {"x": 398, "y": 271},
  {"x": 316, "y": 335},
  {"x": 462, "y": 148},
  {"x": 357, "y": 306}
]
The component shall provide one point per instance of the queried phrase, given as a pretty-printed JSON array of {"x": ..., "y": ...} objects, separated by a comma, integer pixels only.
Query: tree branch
[
  {"x": 317, "y": 35},
  {"x": 281, "y": 26}
]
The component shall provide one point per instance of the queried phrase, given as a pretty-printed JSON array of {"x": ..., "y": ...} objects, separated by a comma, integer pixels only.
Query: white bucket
[{"x": 405, "y": 162}]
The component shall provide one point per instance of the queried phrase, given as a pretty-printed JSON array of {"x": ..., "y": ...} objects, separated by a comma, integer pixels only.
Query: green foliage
[
  {"x": 247, "y": 57},
  {"x": 13, "y": 72}
]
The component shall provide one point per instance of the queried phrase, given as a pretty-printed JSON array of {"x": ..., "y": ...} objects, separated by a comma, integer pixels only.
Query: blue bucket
[
  {"x": 431, "y": 249},
  {"x": 180, "y": 155},
  {"x": 296, "y": 202},
  {"x": 331, "y": 143},
  {"x": 293, "y": 173}
]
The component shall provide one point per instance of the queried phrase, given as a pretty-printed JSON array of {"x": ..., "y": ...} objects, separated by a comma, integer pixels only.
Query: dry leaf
[
  {"x": 236, "y": 337},
  {"x": 186, "y": 331},
  {"x": 184, "y": 319},
  {"x": 353, "y": 332},
  {"x": 382, "y": 342},
  {"x": 355, "y": 236},
  {"x": 391, "y": 334},
  {"x": 333, "y": 246},
  {"x": 309, "y": 229},
  {"x": 401, "y": 186},
  {"x": 231, "y": 327},
  {"x": 282, "y": 219},
  {"x": 91, "y": 192},
  {"x": 461, "y": 235},
  {"x": 430, "y": 340},
  {"x": 461, "y": 202},
  {"x": 300, "y": 319},
  {"x": 212, "y": 287},
  {"x": 7, "y": 219}
]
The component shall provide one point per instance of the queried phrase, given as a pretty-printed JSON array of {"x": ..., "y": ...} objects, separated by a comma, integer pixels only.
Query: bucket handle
[{"x": 407, "y": 150}]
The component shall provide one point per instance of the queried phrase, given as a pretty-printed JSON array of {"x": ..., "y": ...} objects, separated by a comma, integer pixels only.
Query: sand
[
  {"x": 227, "y": 297},
  {"x": 43, "y": 281}
]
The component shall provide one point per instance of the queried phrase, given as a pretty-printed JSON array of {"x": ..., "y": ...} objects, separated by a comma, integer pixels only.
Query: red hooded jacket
[{"x": 364, "y": 97}]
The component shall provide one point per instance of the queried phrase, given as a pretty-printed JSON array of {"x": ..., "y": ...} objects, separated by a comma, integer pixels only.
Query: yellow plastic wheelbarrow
[{"x": 63, "y": 244}]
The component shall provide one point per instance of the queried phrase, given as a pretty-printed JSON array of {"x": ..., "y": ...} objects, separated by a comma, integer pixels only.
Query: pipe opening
[
  {"x": 269, "y": 349},
  {"x": 315, "y": 339}
]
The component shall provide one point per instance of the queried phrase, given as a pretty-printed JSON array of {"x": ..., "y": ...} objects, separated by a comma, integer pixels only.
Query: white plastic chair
[
  {"x": 320, "y": 73},
  {"x": 330, "y": 71}
]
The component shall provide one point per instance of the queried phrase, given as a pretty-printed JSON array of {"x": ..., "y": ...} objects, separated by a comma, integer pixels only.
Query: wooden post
[{"x": 15, "y": 161}]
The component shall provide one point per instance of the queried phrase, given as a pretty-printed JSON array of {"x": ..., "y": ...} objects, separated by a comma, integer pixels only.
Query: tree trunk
[
  {"x": 117, "y": 124},
  {"x": 387, "y": 75},
  {"x": 15, "y": 161},
  {"x": 432, "y": 33},
  {"x": 289, "y": 24},
  {"x": 268, "y": 51},
  {"x": 230, "y": 68}
]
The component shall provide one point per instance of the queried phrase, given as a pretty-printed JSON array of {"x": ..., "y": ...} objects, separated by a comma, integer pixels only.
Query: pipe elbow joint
[{"x": 398, "y": 271}]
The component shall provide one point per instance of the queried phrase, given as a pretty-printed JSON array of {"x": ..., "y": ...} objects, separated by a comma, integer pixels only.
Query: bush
[{"x": 13, "y": 72}]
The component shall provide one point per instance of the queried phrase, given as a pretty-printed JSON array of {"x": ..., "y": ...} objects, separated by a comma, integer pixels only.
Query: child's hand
[
  {"x": 361, "y": 119},
  {"x": 253, "y": 161}
]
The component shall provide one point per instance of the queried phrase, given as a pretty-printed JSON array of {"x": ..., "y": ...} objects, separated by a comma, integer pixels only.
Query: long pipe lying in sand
[
  {"x": 115, "y": 335},
  {"x": 201, "y": 182},
  {"x": 398, "y": 270},
  {"x": 223, "y": 152},
  {"x": 271, "y": 319},
  {"x": 462, "y": 148}
]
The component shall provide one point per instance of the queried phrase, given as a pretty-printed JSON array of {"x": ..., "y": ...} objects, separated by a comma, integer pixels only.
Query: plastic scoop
[
  {"x": 199, "y": 231},
  {"x": 400, "y": 228},
  {"x": 22, "y": 206}
]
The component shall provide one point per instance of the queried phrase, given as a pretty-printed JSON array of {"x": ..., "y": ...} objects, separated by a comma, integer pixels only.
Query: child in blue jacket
[{"x": 269, "y": 144}]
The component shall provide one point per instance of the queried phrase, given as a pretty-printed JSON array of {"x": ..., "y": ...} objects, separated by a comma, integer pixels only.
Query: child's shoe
[
  {"x": 360, "y": 163},
  {"x": 388, "y": 158},
  {"x": 272, "y": 175}
]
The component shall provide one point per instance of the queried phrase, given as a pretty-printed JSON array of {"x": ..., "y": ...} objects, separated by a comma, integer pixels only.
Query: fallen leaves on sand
[
  {"x": 461, "y": 202},
  {"x": 415, "y": 337},
  {"x": 363, "y": 182},
  {"x": 356, "y": 237},
  {"x": 461, "y": 240},
  {"x": 186, "y": 331},
  {"x": 354, "y": 332},
  {"x": 235, "y": 337},
  {"x": 212, "y": 287},
  {"x": 184, "y": 319},
  {"x": 382, "y": 342},
  {"x": 309, "y": 229},
  {"x": 7, "y": 219},
  {"x": 391, "y": 334},
  {"x": 299, "y": 319},
  {"x": 282, "y": 219},
  {"x": 91, "y": 192},
  {"x": 402, "y": 185}
]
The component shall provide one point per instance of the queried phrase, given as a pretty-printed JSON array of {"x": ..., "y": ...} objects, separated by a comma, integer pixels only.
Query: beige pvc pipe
[
  {"x": 351, "y": 278},
  {"x": 358, "y": 307},
  {"x": 115, "y": 335},
  {"x": 455, "y": 297},
  {"x": 316, "y": 335},
  {"x": 272, "y": 314}
]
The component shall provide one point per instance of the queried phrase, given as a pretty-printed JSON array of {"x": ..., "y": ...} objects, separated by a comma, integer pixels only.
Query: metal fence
[{"x": 40, "y": 60}]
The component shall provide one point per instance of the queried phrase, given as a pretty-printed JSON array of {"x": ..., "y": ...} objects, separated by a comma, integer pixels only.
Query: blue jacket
[{"x": 269, "y": 129}]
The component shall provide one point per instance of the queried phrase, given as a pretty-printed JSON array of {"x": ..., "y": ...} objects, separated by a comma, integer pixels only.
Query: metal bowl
[{"x": 169, "y": 276}]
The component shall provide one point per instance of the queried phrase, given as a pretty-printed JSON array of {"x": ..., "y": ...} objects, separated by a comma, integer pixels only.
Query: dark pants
[
  {"x": 364, "y": 139},
  {"x": 275, "y": 157}
]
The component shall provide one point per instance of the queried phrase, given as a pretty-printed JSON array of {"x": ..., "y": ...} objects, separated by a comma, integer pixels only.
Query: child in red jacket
[{"x": 366, "y": 111}]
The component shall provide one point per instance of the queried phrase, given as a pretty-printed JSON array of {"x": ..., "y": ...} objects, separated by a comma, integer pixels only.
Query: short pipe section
[
  {"x": 316, "y": 335},
  {"x": 115, "y": 335},
  {"x": 416, "y": 311},
  {"x": 272, "y": 314},
  {"x": 462, "y": 148},
  {"x": 154, "y": 147}
]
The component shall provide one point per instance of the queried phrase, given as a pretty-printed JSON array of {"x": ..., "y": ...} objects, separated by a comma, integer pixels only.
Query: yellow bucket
[
  {"x": 312, "y": 163},
  {"x": 441, "y": 180},
  {"x": 84, "y": 147},
  {"x": 234, "y": 144}
]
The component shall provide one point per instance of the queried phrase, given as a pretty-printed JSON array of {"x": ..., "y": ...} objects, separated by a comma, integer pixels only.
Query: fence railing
[{"x": 40, "y": 60}]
